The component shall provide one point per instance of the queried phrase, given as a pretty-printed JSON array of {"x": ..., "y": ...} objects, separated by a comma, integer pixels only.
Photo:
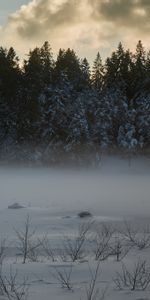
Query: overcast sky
[{"x": 88, "y": 26}]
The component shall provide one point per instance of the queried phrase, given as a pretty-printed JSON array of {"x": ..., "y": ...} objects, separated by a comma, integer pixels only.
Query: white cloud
[{"x": 86, "y": 25}]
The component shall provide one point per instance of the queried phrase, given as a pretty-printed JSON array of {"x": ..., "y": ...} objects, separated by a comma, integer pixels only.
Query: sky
[{"x": 87, "y": 26}]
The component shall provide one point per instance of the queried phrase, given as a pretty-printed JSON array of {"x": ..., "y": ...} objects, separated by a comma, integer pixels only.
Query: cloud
[
  {"x": 133, "y": 14},
  {"x": 42, "y": 17},
  {"x": 85, "y": 25}
]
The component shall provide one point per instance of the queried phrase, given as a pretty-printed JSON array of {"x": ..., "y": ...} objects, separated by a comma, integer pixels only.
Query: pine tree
[
  {"x": 47, "y": 64},
  {"x": 9, "y": 73},
  {"x": 138, "y": 70},
  {"x": 98, "y": 73},
  {"x": 85, "y": 74},
  {"x": 143, "y": 118},
  {"x": 67, "y": 63},
  {"x": 10, "y": 80},
  {"x": 118, "y": 69},
  {"x": 55, "y": 112},
  {"x": 127, "y": 133},
  {"x": 29, "y": 108}
]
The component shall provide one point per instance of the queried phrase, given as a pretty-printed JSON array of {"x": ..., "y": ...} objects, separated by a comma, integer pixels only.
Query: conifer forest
[{"x": 64, "y": 107}]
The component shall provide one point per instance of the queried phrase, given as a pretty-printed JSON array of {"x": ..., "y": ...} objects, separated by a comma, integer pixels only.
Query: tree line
[{"x": 61, "y": 106}]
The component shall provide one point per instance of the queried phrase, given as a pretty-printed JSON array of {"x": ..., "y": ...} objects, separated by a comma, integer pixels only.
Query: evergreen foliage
[{"x": 63, "y": 107}]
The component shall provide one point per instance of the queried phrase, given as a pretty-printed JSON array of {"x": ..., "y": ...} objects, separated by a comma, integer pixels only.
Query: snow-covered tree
[{"x": 143, "y": 119}]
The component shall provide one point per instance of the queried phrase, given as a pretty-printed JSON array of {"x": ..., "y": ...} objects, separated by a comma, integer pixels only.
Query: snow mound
[
  {"x": 15, "y": 206},
  {"x": 84, "y": 214}
]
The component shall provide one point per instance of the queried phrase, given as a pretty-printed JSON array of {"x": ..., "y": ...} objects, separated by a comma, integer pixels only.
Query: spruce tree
[
  {"x": 98, "y": 73},
  {"x": 138, "y": 70},
  {"x": 47, "y": 64},
  {"x": 68, "y": 63},
  {"x": 85, "y": 74}
]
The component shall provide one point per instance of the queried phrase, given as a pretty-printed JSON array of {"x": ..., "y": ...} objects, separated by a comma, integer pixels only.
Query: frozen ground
[{"x": 113, "y": 193}]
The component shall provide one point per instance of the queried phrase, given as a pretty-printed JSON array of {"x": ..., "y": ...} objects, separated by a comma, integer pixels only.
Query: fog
[{"x": 114, "y": 189}]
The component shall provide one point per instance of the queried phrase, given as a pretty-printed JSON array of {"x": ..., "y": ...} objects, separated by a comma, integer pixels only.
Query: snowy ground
[{"x": 113, "y": 193}]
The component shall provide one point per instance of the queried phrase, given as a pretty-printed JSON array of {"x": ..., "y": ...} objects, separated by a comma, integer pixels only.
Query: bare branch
[{"x": 136, "y": 279}]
